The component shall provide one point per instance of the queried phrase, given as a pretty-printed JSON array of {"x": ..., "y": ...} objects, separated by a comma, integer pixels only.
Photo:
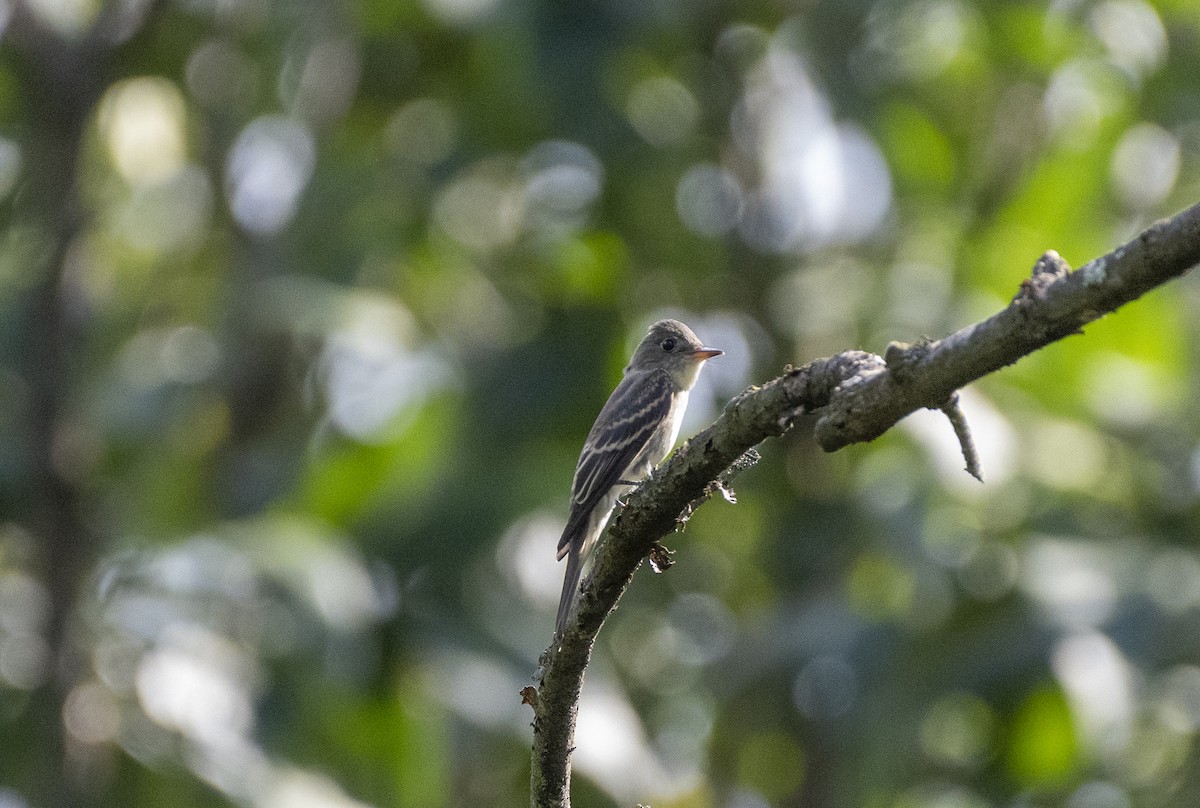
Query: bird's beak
[{"x": 701, "y": 354}]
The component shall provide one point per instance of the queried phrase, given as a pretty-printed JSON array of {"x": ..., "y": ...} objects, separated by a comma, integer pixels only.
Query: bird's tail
[{"x": 570, "y": 585}]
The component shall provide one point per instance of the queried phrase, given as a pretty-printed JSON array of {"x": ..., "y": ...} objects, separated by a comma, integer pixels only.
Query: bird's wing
[{"x": 639, "y": 406}]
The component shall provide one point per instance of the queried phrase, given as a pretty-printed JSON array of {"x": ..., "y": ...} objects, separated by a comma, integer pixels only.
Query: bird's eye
[{"x": 668, "y": 344}]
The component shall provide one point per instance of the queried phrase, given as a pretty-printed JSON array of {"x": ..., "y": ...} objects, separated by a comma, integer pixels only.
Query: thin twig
[{"x": 962, "y": 431}]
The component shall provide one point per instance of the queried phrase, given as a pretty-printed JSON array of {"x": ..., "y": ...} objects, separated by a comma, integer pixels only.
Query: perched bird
[{"x": 633, "y": 433}]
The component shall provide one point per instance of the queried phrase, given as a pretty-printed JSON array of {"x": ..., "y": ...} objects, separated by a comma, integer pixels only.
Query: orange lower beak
[{"x": 706, "y": 353}]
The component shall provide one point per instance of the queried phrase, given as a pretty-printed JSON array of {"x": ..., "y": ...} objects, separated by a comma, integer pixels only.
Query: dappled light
[
  {"x": 808, "y": 162},
  {"x": 24, "y": 607},
  {"x": 269, "y": 165},
  {"x": 372, "y": 374},
  {"x": 1145, "y": 165},
  {"x": 68, "y": 17},
  {"x": 709, "y": 200},
  {"x": 619, "y": 755},
  {"x": 308, "y": 309},
  {"x": 1082, "y": 96},
  {"x": 184, "y": 638},
  {"x": 143, "y": 124},
  {"x": 1132, "y": 33},
  {"x": 662, "y": 110}
]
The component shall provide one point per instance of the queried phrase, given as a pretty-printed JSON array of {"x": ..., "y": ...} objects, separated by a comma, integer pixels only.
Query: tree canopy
[{"x": 307, "y": 309}]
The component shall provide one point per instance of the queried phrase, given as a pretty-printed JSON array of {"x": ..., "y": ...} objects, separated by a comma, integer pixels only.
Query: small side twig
[
  {"x": 962, "y": 431},
  {"x": 722, "y": 484}
]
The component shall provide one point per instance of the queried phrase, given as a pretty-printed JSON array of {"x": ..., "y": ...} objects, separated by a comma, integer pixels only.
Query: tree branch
[{"x": 862, "y": 396}]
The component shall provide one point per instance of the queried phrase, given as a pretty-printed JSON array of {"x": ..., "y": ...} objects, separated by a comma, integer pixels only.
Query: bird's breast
[
  {"x": 674, "y": 420},
  {"x": 661, "y": 441}
]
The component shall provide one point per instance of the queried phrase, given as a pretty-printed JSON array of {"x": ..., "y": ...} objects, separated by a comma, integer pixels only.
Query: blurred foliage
[{"x": 340, "y": 287}]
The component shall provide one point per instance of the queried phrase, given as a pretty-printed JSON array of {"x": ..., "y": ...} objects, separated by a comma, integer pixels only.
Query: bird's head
[{"x": 675, "y": 348}]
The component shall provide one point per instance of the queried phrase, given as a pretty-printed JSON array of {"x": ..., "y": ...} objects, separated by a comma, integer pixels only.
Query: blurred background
[{"x": 306, "y": 309}]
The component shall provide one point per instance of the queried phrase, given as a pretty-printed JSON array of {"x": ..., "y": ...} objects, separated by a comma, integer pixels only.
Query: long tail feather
[{"x": 570, "y": 586}]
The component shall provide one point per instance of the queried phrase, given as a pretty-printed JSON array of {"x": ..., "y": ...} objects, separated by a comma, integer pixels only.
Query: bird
[{"x": 633, "y": 433}]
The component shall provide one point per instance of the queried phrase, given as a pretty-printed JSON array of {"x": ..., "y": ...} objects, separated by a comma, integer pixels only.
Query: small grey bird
[{"x": 633, "y": 433}]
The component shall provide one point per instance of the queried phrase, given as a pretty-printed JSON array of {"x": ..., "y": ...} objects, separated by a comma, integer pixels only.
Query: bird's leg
[{"x": 633, "y": 484}]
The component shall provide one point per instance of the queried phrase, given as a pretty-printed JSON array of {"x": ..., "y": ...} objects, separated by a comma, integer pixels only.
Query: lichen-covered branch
[
  {"x": 1053, "y": 303},
  {"x": 860, "y": 396}
]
